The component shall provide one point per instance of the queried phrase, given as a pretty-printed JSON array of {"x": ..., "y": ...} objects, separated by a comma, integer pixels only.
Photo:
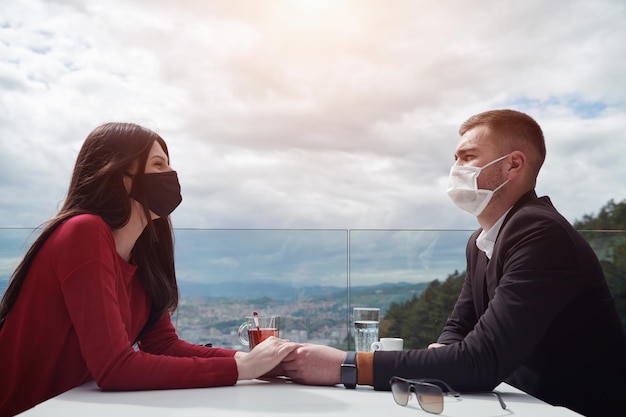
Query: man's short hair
[{"x": 514, "y": 130}]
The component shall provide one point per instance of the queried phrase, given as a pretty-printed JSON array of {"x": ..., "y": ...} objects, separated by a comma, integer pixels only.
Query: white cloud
[{"x": 329, "y": 114}]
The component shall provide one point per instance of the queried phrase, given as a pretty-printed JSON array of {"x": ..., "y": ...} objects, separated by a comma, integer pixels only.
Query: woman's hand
[{"x": 265, "y": 357}]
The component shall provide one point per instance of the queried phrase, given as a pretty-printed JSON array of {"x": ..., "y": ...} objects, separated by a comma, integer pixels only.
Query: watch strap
[{"x": 349, "y": 370}]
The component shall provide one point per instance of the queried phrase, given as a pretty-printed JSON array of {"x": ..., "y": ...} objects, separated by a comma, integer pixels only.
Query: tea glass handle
[{"x": 243, "y": 334}]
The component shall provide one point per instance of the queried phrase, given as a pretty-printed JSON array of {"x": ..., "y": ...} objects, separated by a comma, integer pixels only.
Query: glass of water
[{"x": 365, "y": 328}]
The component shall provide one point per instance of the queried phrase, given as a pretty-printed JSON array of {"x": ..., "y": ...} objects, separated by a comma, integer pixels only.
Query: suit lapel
[
  {"x": 483, "y": 287},
  {"x": 480, "y": 289}
]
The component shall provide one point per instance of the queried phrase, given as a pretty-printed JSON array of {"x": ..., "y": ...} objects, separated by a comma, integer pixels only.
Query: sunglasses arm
[{"x": 497, "y": 394}]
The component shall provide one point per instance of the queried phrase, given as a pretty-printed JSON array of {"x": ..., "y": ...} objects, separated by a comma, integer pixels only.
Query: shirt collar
[{"x": 487, "y": 240}]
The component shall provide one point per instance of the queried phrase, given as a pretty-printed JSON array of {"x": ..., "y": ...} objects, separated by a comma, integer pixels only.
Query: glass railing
[{"x": 310, "y": 277}]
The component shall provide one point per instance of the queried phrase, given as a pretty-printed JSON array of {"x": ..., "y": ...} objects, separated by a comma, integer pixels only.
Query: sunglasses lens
[
  {"x": 400, "y": 391},
  {"x": 430, "y": 398}
]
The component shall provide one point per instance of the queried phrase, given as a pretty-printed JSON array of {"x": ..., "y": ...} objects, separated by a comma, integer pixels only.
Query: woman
[{"x": 100, "y": 278}]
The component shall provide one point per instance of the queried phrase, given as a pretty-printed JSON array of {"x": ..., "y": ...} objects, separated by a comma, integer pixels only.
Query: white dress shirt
[{"x": 486, "y": 240}]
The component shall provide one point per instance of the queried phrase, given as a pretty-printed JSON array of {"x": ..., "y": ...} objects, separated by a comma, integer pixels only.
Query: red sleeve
[
  {"x": 162, "y": 339},
  {"x": 91, "y": 284}
]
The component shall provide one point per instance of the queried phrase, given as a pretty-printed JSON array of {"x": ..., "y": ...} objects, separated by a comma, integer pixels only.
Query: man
[{"x": 535, "y": 310}]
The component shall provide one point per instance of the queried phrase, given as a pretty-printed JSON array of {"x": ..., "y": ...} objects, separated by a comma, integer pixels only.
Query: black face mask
[{"x": 162, "y": 191}]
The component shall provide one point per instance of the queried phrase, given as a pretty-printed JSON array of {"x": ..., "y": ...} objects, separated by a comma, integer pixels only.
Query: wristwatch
[{"x": 348, "y": 371}]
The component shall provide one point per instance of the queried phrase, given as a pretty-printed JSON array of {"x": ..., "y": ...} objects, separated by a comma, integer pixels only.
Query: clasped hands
[
  {"x": 301, "y": 362},
  {"x": 304, "y": 363}
]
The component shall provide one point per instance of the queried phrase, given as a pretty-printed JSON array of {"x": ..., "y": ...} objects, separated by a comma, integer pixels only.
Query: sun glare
[{"x": 314, "y": 14}]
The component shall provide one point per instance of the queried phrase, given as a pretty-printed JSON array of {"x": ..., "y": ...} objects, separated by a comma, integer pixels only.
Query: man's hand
[{"x": 314, "y": 365}]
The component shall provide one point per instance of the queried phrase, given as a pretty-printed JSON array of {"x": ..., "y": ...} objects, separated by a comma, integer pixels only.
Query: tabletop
[{"x": 279, "y": 397}]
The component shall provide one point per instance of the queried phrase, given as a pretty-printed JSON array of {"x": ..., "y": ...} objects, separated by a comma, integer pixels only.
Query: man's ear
[{"x": 519, "y": 163}]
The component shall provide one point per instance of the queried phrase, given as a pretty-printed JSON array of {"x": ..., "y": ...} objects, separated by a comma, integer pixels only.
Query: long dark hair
[{"x": 97, "y": 188}]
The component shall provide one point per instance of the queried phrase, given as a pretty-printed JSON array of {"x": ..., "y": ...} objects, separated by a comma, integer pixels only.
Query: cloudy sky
[{"x": 311, "y": 114}]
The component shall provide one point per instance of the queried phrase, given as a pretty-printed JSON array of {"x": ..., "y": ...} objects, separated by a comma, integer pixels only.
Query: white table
[{"x": 276, "y": 398}]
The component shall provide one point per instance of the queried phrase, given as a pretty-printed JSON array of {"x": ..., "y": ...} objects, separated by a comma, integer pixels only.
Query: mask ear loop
[
  {"x": 500, "y": 186},
  {"x": 495, "y": 161},
  {"x": 480, "y": 169}
]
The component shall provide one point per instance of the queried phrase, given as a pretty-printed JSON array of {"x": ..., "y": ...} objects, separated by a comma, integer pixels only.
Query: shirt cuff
[{"x": 365, "y": 368}]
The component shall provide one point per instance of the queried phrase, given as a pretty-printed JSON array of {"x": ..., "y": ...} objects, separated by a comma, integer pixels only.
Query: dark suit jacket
[{"x": 538, "y": 315}]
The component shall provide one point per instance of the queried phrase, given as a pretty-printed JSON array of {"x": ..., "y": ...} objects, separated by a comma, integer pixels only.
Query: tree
[
  {"x": 606, "y": 233},
  {"x": 419, "y": 321}
]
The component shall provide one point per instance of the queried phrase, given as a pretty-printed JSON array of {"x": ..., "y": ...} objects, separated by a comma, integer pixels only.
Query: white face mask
[{"x": 463, "y": 188}]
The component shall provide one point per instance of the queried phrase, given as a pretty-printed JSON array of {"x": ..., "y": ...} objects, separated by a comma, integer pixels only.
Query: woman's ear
[{"x": 128, "y": 182}]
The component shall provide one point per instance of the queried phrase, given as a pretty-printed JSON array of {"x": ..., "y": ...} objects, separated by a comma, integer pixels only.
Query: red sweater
[{"x": 78, "y": 312}]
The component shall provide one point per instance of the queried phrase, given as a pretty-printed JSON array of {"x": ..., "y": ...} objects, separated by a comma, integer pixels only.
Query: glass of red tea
[{"x": 256, "y": 329}]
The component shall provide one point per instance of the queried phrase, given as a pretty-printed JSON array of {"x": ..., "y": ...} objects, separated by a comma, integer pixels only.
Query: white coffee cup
[{"x": 388, "y": 343}]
